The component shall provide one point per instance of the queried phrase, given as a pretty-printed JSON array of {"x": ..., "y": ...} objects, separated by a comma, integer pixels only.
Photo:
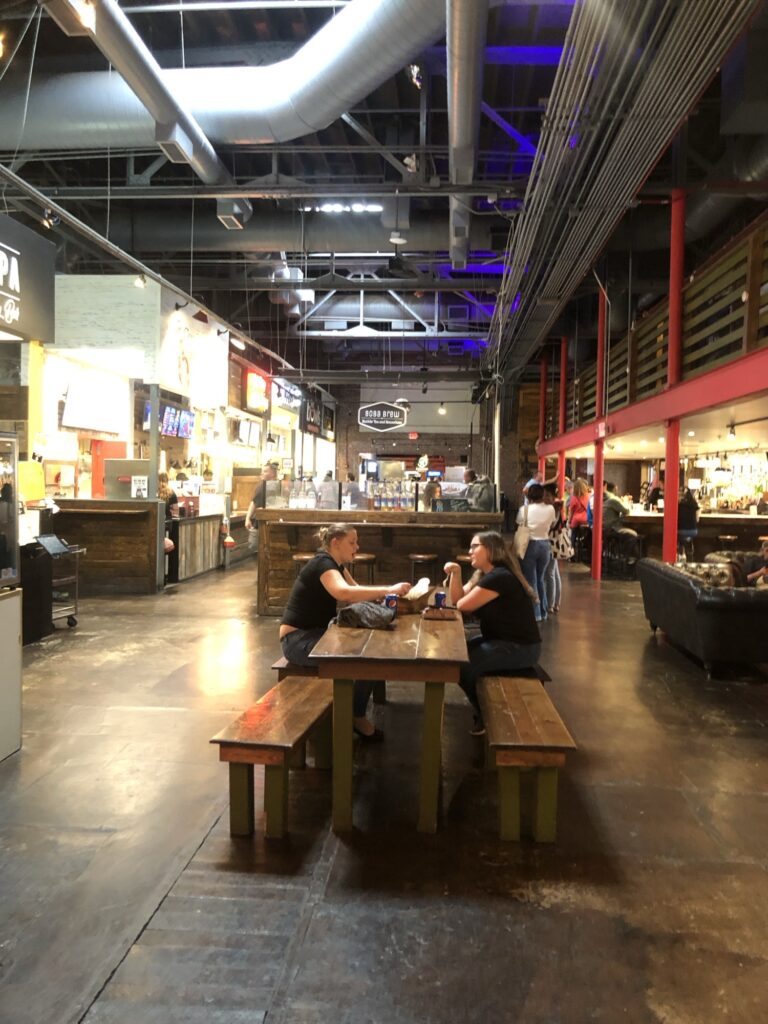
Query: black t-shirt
[
  {"x": 510, "y": 615},
  {"x": 686, "y": 515},
  {"x": 753, "y": 563},
  {"x": 310, "y": 606}
]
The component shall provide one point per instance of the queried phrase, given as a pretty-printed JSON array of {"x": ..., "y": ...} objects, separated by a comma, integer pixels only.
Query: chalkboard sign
[{"x": 450, "y": 505}]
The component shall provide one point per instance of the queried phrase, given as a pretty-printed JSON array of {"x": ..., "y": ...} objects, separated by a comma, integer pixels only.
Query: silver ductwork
[
  {"x": 467, "y": 22},
  {"x": 349, "y": 57},
  {"x": 153, "y": 230}
]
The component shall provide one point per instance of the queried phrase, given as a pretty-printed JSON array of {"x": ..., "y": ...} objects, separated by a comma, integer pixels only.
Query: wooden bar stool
[
  {"x": 427, "y": 561},
  {"x": 726, "y": 541},
  {"x": 301, "y": 558},
  {"x": 369, "y": 562}
]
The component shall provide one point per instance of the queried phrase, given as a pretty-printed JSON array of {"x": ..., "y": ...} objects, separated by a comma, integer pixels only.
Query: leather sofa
[{"x": 701, "y": 611}]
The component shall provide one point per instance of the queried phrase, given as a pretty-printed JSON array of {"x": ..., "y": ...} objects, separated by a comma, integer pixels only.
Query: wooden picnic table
[{"x": 417, "y": 650}]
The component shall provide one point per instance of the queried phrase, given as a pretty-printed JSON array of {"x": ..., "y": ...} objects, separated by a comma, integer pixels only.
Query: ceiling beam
[{"x": 393, "y": 376}]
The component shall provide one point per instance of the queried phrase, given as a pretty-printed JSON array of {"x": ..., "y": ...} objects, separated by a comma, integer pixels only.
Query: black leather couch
[{"x": 715, "y": 623}]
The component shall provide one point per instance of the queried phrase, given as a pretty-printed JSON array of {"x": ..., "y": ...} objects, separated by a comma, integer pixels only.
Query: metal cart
[{"x": 66, "y": 576}]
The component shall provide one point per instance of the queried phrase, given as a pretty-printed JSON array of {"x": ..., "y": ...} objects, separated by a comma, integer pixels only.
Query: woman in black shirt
[
  {"x": 312, "y": 604},
  {"x": 497, "y": 594}
]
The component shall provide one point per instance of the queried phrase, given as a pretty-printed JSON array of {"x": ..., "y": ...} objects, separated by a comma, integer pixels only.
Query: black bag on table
[{"x": 365, "y": 615}]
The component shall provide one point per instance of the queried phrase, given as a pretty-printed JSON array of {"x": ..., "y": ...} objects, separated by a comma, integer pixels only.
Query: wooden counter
[
  {"x": 391, "y": 536},
  {"x": 747, "y": 529},
  {"x": 121, "y": 538},
  {"x": 200, "y": 546}
]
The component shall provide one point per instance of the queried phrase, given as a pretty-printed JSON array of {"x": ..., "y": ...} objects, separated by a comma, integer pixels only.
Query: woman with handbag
[
  {"x": 500, "y": 598},
  {"x": 538, "y": 518},
  {"x": 312, "y": 604}
]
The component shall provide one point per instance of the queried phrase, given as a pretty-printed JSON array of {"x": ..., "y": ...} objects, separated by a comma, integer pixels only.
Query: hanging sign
[
  {"x": 382, "y": 416},
  {"x": 27, "y": 266}
]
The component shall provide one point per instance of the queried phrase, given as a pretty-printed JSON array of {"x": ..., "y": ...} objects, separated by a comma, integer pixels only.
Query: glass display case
[{"x": 9, "y": 511}]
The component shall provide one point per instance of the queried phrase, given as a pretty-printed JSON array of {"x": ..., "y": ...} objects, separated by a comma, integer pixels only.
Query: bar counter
[
  {"x": 747, "y": 530},
  {"x": 389, "y": 535}
]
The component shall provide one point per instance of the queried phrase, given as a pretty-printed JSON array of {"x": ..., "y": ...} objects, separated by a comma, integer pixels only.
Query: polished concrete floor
[{"x": 123, "y": 898}]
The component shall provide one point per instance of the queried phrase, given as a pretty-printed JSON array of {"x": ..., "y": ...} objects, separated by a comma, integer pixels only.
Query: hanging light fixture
[
  {"x": 442, "y": 410},
  {"x": 270, "y": 442}
]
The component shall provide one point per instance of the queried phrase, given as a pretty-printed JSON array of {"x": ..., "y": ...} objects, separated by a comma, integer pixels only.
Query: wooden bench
[
  {"x": 285, "y": 669},
  {"x": 524, "y": 732},
  {"x": 273, "y": 732}
]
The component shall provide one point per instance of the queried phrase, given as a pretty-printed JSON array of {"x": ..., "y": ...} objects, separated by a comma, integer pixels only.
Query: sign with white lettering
[
  {"x": 27, "y": 264},
  {"x": 382, "y": 416}
]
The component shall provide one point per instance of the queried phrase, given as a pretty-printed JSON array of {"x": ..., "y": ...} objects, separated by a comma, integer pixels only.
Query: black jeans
[
  {"x": 296, "y": 647},
  {"x": 489, "y": 656}
]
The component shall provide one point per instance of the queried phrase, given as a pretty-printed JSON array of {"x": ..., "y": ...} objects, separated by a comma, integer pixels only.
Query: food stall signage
[
  {"x": 286, "y": 395},
  {"x": 26, "y": 283},
  {"x": 256, "y": 393},
  {"x": 382, "y": 416}
]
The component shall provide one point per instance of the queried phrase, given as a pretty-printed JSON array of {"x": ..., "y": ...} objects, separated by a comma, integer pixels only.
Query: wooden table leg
[
  {"x": 431, "y": 756},
  {"x": 241, "y": 802},
  {"x": 545, "y": 813},
  {"x": 343, "y": 690},
  {"x": 276, "y": 799}
]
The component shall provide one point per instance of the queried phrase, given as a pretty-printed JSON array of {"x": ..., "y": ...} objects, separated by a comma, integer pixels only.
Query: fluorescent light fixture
[{"x": 374, "y": 208}]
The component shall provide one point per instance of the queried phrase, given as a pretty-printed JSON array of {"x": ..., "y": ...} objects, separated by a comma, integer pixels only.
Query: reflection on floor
[{"x": 124, "y": 898}]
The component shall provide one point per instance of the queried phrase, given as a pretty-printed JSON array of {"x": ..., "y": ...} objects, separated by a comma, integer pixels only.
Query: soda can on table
[
  {"x": 439, "y": 599},
  {"x": 391, "y": 601}
]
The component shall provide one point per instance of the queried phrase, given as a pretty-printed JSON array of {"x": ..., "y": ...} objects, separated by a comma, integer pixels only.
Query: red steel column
[
  {"x": 676, "y": 269},
  {"x": 597, "y": 514},
  {"x": 563, "y": 383},
  {"x": 600, "y": 384},
  {"x": 561, "y": 474},
  {"x": 671, "y": 477},
  {"x": 543, "y": 370}
]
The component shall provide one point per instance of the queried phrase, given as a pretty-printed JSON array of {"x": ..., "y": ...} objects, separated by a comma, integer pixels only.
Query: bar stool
[
  {"x": 422, "y": 560},
  {"x": 726, "y": 541},
  {"x": 369, "y": 561},
  {"x": 301, "y": 558}
]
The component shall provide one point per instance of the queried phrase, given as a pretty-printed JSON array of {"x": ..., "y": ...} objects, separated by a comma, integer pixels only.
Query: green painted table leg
[
  {"x": 380, "y": 692},
  {"x": 342, "y": 754},
  {"x": 509, "y": 803},
  {"x": 276, "y": 799},
  {"x": 431, "y": 756},
  {"x": 241, "y": 815},
  {"x": 322, "y": 743},
  {"x": 545, "y": 816}
]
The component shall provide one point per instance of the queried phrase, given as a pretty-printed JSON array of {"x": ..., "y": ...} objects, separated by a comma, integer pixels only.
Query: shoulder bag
[
  {"x": 560, "y": 540},
  {"x": 365, "y": 615},
  {"x": 522, "y": 536}
]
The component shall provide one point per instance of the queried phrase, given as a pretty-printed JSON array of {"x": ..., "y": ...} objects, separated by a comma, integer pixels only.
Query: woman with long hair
[
  {"x": 577, "y": 506},
  {"x": 501, "y": 599},
  {"x": 312, "y": 604},
  {"x": 539, "y": 518}
]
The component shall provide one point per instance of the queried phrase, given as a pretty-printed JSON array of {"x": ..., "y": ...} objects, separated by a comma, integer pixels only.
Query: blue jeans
[
  {"x": 552, "y": 583},
  {"x": 489, "y": 656},
  {"x": 537, "y": 555},
  {"x": 296, "y": 647}
]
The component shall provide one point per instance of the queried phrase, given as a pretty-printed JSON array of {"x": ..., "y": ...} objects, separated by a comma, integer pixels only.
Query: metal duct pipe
[
  {"x": 176, "y": 131},
  {"x": 354, "y": 348},
  {"x": 350, "y": 56},
  {"x": 380, "y": 307},
  {"x": 467, "y": 22},
  {"x": 150, "y": 231}
]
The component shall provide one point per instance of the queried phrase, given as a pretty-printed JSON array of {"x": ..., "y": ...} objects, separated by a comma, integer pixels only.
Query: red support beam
[
  {"x": 676, "y": 270},
  {"x": 597, "y": 514},
  {"x": 671, "y": 477},
  {"x": 561, "y": 474},
  {"x": 744, "y": 377},
  {"x": 563, "y": 384},
  {"x": 543, "y": 370},
  {"x": 600, "y": 384}
]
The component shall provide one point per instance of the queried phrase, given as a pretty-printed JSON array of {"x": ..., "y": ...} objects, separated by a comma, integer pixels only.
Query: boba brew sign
[
  {"x": 382, "y": 416},
  {"x": 26, "y": 283}
]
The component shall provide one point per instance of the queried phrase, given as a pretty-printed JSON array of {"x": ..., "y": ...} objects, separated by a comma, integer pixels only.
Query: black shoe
[
  {"x": 478, "y": 729},
  {"x": 376, "y": 736}
]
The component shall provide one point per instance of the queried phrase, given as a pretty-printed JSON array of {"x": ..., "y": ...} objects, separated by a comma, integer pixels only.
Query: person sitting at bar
[
  {"x": 614, "y": 511},
  {"x": 509, "y": 637},
  {"x": 687, "y": 518},
  {"x": 312, "y": 604},
  {"x": 756, "y": 566},
  {"x": 479, "y": 492}
]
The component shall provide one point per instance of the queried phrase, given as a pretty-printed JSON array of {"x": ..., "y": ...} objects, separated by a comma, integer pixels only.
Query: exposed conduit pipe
[{"x": 467, "y": 22}]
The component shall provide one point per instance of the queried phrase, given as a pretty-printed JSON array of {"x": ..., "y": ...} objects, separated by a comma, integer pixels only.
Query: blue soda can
[
  {"x": 439, "y": 599},
  {"x": 391, "y": 601}
]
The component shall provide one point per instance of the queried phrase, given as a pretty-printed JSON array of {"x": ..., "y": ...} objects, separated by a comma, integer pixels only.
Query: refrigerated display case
[{"x": 9, "y": 511}]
